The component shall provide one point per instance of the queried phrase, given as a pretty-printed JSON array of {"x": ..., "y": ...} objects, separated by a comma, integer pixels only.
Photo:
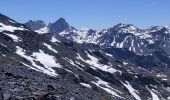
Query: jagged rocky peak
[
  {"x": 62, "y": 21},
  {"x": 58, "y": 26},
  {"x": 35, "y": 25},
  {"x": 125, "y": 28},
  {"x": 159, "y": 28},
  {"x": 91, "y": 31}
]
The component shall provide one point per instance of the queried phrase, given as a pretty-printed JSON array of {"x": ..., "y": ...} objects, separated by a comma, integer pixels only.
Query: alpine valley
[{"x": 56, "y": 61}]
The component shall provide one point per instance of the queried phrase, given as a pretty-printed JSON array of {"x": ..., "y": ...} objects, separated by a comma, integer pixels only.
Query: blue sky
[{"x": 90, "y": 13}]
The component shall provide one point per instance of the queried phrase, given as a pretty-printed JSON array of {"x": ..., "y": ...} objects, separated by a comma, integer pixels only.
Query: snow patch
[
  {"x": 125, "y": 63},
  {"x": 131, "y": 90},
  {"x": 72, "y": 62},
  {"x": 86, "y": 85},
  {"x": 42, "y": 30},
  {"x": 47, "y": 61},
  {"x": 105, "y": 86},
  {"x": 14, "y": 37},
  {"x": 53, "y": 39},
  {"x": 109, "y": 55},
  {"x": 154, "y": 96},
  {"x": 9, "y": 28},
  {"x": 151, "y": 41},
  {"x": 93, "y": 61},
  {"x": 161, "y": 75},
  {"x": 50, "y": 48},
  {"x": 63, "y": 33},
  {"x": 168, "y": 98},
  {"x": 164, "y": 79},
  {"x": 3, "y": 45}
]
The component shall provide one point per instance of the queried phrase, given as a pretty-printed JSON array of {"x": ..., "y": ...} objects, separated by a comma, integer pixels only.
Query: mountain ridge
[
  {"x": 120, "y": 36},
  {"x": 119, "y": 24}
]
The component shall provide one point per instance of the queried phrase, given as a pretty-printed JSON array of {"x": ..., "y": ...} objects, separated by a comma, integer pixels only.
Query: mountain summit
[
  {"x": 58, "y": 26},
  {"x": 40, "y": 26},
  {"x": 35, "y": 25}
]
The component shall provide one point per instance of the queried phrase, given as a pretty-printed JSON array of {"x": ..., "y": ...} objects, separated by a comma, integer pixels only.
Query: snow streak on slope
[
  {"x": 50, "y": 48},
  {"x": 86, "y": 85},
  {"x": 131, "y": 90},
  {"x": 9, "y": 28},
  {"x": 14, "y": 37},
  {"x": 105, "y": 86},
  {"x": 53, "y": 39},
  {"x": 93, "y": 61},
  {"x": 154, "y": 96},
  {"x": 47, "y": 61}
]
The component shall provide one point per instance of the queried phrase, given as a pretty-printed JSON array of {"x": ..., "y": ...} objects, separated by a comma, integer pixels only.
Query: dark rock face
[
  {"x": 35, "y": 25},
  {"x": 59, "y": 26},
  {"x": 6, "y": 20}
]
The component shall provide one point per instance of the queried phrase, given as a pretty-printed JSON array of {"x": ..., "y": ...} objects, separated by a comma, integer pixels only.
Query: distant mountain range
[
  {"x": 56, "y": 61},
  {"x": 125, "y": 36}
]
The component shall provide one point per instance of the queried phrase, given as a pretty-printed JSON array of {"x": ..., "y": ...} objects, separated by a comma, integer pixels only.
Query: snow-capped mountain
[
  {"x": 71, "y": 64},
  {"x": 139, "y": 41}
]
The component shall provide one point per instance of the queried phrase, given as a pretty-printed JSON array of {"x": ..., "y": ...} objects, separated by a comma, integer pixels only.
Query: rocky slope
[{"x": 52, "y": 66}]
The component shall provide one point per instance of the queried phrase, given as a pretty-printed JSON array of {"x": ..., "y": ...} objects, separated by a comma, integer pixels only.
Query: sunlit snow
[
  {"x": 42, "y": 30},
  {"x": 45, "y": 59},
  {"x": 154, "y": 96},
  {"x": 50, "y": 48},
  {"x": 105, "y": 86},
  {"x": 93, "y": 61},
  {"x": 53, "y": 39},
  {"x": 14, "y": 37},
  {"x": 132, "y": 90},
  {"x": 86, "y": 85},
  {"x": 9, "y": 28}
]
